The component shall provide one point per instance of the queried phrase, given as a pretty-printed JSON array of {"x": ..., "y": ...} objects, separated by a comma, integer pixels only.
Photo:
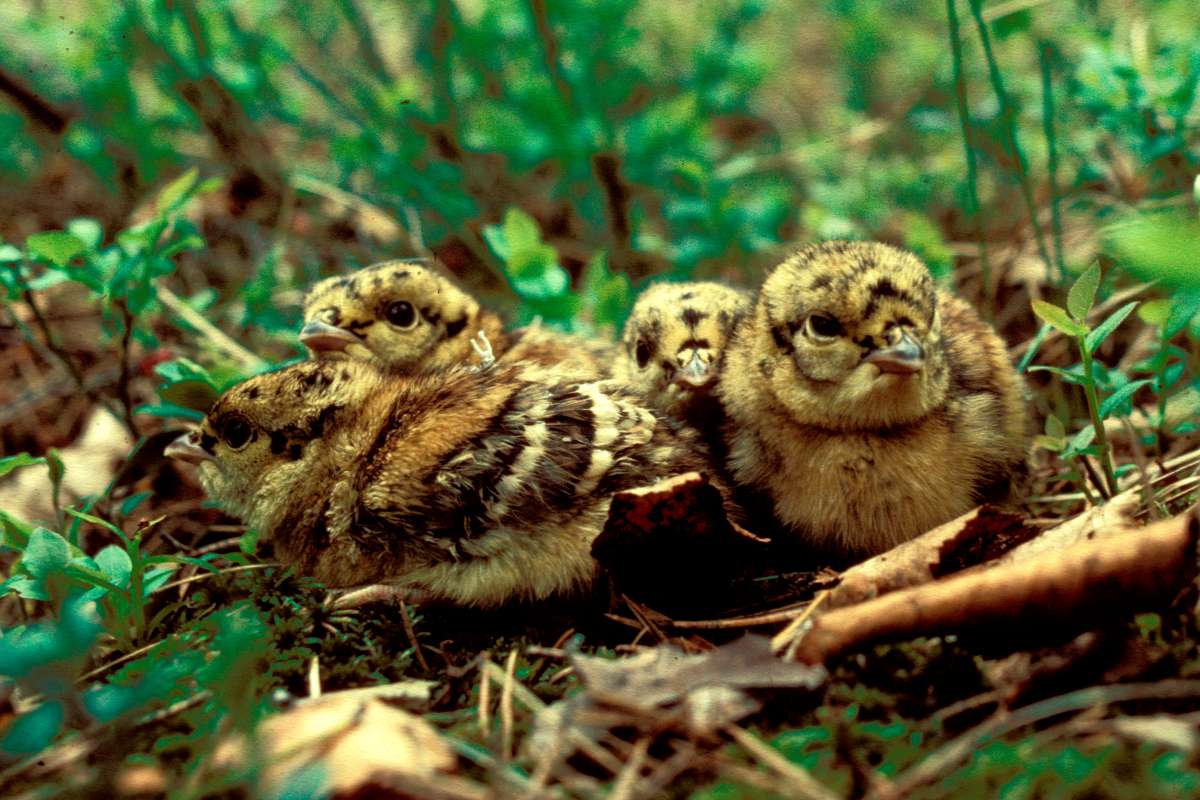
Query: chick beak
[
  {"x": 903, "y": 358},
  {"x": 185, "y": 449},
  {"x": 321, "y": 337},
  {"x": 696, "y": 373}
]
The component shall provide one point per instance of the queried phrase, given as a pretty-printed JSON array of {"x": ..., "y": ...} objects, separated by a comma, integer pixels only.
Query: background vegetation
[{"x": 174, "y": 174}]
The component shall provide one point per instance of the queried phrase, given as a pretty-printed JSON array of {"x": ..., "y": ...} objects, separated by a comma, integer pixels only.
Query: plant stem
[
  {"x": 1045, "y": 52},
  {"x": 1081, "y": 477},
  {"x": 1093, "y": 401},
  {"x": 964, "y": 121},
  {"x": 1008, "y": 116}
]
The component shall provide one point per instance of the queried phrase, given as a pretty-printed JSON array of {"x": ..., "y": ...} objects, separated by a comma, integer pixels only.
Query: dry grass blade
[
  {"x": 314, "y": 678},
  {"x": 799, "y": 783},
  {"x": 506, "y": 705},
  {"x": 628, "y": 779},
  {"x": 485, "y": 693}
]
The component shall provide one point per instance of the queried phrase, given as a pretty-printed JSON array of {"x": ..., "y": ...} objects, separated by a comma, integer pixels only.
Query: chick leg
[{"x": 375, "y": 593}]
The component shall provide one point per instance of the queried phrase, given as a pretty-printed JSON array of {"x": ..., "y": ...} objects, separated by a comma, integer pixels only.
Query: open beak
[
  {"x": 187, "y": 450},
  {"x": 321, "y": 337},
  {"x": 696, "y": 373},
  {"x": 903, "y": 358}
]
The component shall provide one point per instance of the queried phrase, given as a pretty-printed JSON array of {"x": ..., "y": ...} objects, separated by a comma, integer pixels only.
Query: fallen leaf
[
  {"x": 964, "y": 541},
  {"x": 347, "y": 742}
]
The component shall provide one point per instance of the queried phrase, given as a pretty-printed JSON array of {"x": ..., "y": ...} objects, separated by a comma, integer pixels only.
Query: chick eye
[
  {"x": 401, "y": 314},
  {"x": 820, "y": 326},
  {"x": 236, "y": 432},
  {"x": 642, "y": 353}
]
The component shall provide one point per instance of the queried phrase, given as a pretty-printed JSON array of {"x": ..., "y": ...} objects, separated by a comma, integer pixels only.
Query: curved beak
[
  {"x": 185, "y": 449},
  {"x": 903, "y": 358},
  {"x": 696, "y": 373},
  {"x": 321, "y": 337}
]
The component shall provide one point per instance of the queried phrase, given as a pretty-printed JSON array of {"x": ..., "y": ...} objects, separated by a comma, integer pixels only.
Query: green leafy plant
[{"x": 1089, "y": 374}]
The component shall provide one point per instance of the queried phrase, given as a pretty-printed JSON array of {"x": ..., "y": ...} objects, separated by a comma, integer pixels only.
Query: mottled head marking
[
  {"x": 403, "y": 315},
  {"x": 675, "y": 337},
  {"x": 853, "y": 336}
]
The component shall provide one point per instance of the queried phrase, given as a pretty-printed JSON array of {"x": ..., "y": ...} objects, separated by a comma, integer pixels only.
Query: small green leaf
[
  {"x": 1052, "y": 443},
  {"x": 57, "y": 247},
  {"x": 9, "y": 463},
  {"x": 1069, "y": 375},
  {"x": 1081, "y": 440},
  {"x": 46, "y": 553},
  {"x": 1096, "y": 337},
  {"x": 170, "y": 411},
  {"x": 1082, "y": 295},
  {"x": 114, "y": 562},
  {"x": 1183, "y": 309},
  {"x": 129, "y": 504},
  {"x": 198, "y": 395},
  {"x": 87, "y": 230},
  {"x": 34, "y": 730},
  {"x": 1055, "y": 427},
  {"x": 1120, "y": 397},
  {"x": 176, "y": 191},
  {"x": 1053, "y": 315},
  {"x": 1155, "y": 312},
  {"x": 248, "y": 543}
]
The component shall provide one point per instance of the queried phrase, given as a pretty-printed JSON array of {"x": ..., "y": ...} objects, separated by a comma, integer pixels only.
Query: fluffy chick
[
  {"x": 864, "y": 406},
  {"x": 473, "y": 487},
  {"x": 409, "y": 318},
  {"x": 674, "y": 342}
]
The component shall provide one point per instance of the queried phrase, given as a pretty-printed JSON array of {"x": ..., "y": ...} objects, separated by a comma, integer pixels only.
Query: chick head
[
  {"x": 400, "y": 314},
  {"x": 263, "y": 437},
  {"x": 674, "y": 339},
  {"x": 847, "y": 335}
]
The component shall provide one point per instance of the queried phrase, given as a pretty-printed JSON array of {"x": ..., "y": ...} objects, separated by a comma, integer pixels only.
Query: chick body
[
  {"x": 407, "y": 317},
  {"x": 473, "y": 487},
  {"x": 864, "y": 406},
  {"x": 673, "y": 344}
]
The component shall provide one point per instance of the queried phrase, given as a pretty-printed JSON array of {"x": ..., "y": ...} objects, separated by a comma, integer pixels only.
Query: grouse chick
[
  {"x": 468, "y": 486},
  {"x": 410, "y": 318},
  {"x": 864, "y": 406},
  {"x": 674, "y": 341}
]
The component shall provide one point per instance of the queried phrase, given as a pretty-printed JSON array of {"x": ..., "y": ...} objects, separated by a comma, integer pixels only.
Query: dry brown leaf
[
  {"x": 90, "y": 463},
  {"x": 345, "y": 743},
  {"x": 707, "y": 689},
  {"x": 959, "y": 543},
  {"x": 1073, "y": 587},
  {"x": 1112, "y": 518}
]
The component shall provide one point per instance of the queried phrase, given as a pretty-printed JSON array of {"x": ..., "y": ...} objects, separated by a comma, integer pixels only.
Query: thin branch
[
  {"x": 545, "y": 34},
  {"x": 218, "y": 338},
  {"x": 1008, "y": 114},
  {"x": 123, "y": 392}
]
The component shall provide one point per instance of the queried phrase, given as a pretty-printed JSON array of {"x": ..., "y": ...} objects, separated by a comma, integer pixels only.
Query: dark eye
[
  {"x": 642, "y": 353},
  {"x": 820, "y": 326},
  {"x": 401, "y": 314},
  {"x": 236, "y": 432}
]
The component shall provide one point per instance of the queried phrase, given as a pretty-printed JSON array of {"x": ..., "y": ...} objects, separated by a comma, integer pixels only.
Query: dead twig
[{"x": 411, "y": 632}]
